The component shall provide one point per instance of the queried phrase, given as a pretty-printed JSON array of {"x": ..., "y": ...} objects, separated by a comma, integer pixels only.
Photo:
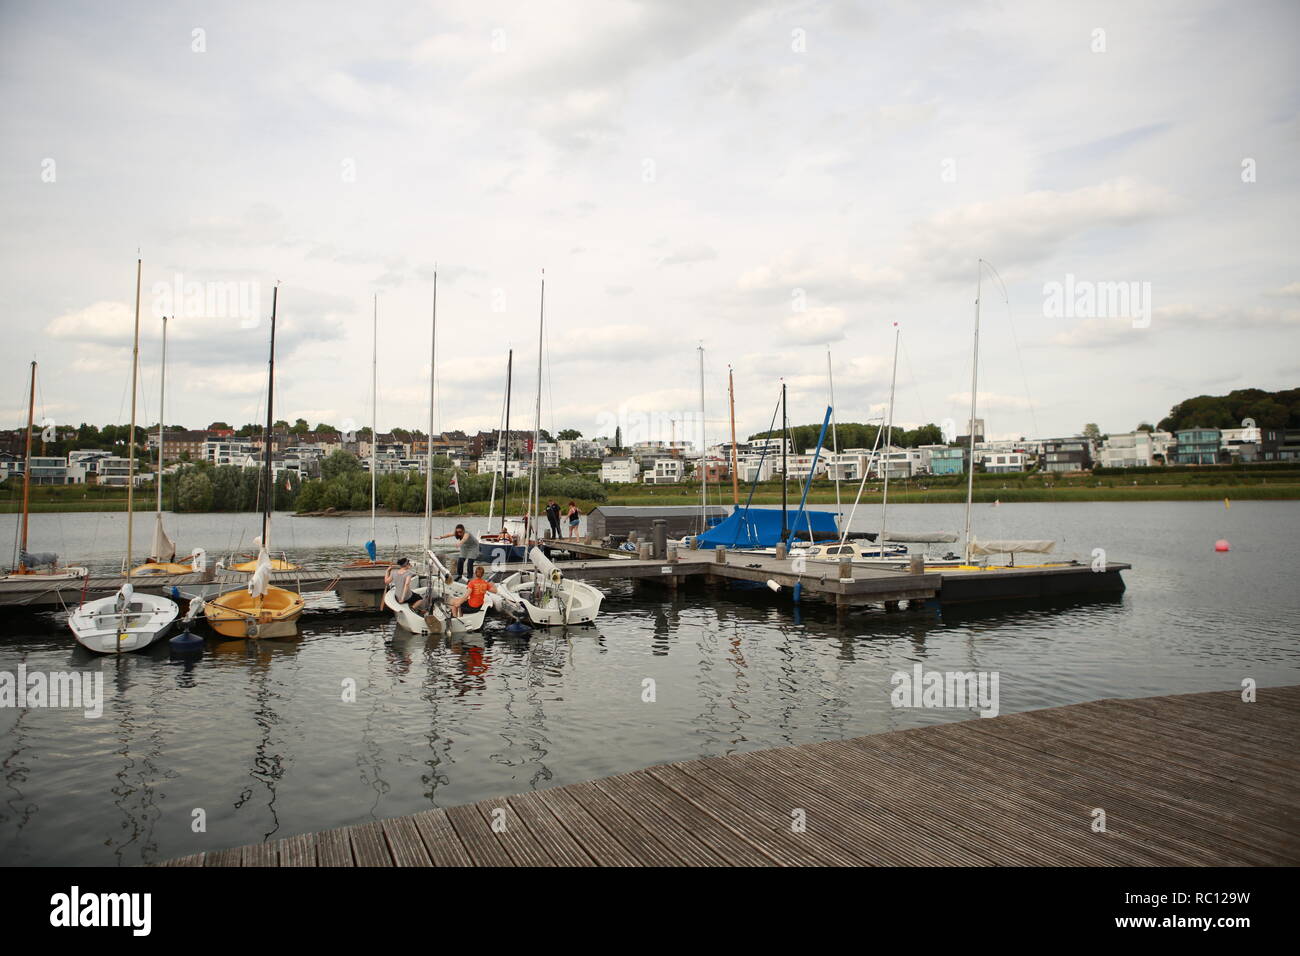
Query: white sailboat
[
  {"x": 162, "y": 551},
  {"x": 30, "y": 563},
  {"x": 437, "y": 616},
  {"x": 548, "y": 597},
  {"x": 126, "y": 621},
  {"x": 543, "y": 593}
]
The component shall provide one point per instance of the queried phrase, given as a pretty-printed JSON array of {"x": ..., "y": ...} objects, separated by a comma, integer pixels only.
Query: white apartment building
[
  {"x": 666, "y": 471},
  {"x": 494, "y": 461},
  {"x": 755, "y": 468},
  {"x": 1002, "y": 461},
  {"x": 1133, "y": 449},
  {"x": 578, "y": 448},
  {"x": 228, "y": 451},
  {"x": 620, "y": 470},
  {"x": 798, "y": 466}
]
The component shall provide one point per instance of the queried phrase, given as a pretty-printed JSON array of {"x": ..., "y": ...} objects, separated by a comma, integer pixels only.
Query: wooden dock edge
[{"x": 1187, "y": 780}]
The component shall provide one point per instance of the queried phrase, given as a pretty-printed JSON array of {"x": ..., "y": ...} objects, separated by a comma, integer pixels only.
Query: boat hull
[
  {"x": 100, "y": 626},
  {"x": 440, "y": 618},
  {"x": 572, "y": 602},
  {"x": 239, "y": 614}
]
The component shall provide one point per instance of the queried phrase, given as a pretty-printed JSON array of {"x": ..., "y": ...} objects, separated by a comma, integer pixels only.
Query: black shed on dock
[{"x": 620, "y": 520}]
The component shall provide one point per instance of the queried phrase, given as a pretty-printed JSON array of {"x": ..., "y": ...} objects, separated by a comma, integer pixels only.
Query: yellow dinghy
[
  {"x": 242, "y": 614},
  {"x": 258, "y": 610}
]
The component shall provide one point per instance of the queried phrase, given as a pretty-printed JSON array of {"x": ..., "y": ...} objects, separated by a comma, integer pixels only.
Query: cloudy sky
[{"x": 762, "y": 179}]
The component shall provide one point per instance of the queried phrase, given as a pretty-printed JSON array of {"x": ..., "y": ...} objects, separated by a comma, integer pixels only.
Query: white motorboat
[
  {"x": 125, "y": 622},
  {"x": 548, "y": 597}
]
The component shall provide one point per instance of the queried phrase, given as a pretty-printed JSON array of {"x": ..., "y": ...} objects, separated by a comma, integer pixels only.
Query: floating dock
[
  {"x": 841, "y": 586},
  {"x": 1191, "y": 780}
]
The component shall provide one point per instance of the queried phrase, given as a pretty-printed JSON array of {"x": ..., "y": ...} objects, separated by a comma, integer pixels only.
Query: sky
[{"x": 774, "y": 183}]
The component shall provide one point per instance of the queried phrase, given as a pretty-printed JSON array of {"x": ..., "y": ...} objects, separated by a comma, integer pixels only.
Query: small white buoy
[{"x": 773, "y": 585}]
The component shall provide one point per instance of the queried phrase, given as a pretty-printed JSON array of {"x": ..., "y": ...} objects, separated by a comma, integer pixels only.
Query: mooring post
[
  {"x": 660, "y": 534},
  {"x": 672, "y": 552},
  {"x": 916, "y": 564},
  {"x": 846, "y": 569},
  {"x": 720, "y": 554},
  {"x": 780, "y": 550}
]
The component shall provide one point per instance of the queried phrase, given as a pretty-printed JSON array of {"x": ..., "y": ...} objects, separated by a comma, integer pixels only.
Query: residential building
[
  {"x": 578, "y": 448},
  {"x": 49, "y": 471},
  {"x": 620, "y": 470},
  {"x": 948, "y": 460},
  {"x": 1066, "y": 454},
  {"x": 666, "y": 471},
  {"x": 492, "y": 462},
  {"x": 228, "y": 451},
  {"x": 1197, "y": 446},
  {"x": 1003, "y": 462}
]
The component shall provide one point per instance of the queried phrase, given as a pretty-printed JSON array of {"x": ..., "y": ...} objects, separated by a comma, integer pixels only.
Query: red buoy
[{"x": 1222, "y": 545}]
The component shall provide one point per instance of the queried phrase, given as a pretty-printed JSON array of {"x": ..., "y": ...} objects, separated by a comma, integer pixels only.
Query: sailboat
[
  {"x": 975, "y": 548},
  {"x": 261, "y": 609},
  {"x": 28, "y": 561},
  {"x": 542, "y": 592},
  {"x": 437, "y": 616},
  {"x": 503, "y": 546},
  {"x": 126, "y": 621},
  {"x": 162, "y": 552}
]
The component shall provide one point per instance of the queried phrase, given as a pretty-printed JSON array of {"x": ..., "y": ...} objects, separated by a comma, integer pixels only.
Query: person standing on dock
[
  {"x": 574, "y": 515},
  {"x": 468, "y": 550},
  {"x": 553, "y": 516}
]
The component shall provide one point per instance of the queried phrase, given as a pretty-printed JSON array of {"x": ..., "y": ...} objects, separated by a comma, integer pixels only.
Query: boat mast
[
  {"x": 374, "y": 412},
  {"x": 974, "y": 381},
  {"x": 428, "y": 466},
  {"x": 162, "y": 401},
  {"x": 889, "y": 438},
  {"x": 130, "y": 470},
  {"x": 492, "y": 501},
  {"x": 535, "y": 496},
  {"x": 27, "y": 467},
  {"x": 735, "y": 481},
  {"x": 704, "y": 479},
  {"x": 505, "y": 462},
  {"x": 785, "y": 438},
  {"x": 270, "y": 397},
  {"x": 835, "y": 440}
]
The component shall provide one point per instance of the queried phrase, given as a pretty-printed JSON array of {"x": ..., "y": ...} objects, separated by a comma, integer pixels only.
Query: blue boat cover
[{"x": 761, "y": 528}]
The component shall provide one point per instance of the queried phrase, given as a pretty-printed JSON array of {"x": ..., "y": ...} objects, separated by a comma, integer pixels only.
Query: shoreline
[{"x": 1138, "y": 493}]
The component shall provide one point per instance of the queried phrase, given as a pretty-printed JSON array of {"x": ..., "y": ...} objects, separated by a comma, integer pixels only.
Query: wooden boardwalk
[{"x": 1199, "y": 779}]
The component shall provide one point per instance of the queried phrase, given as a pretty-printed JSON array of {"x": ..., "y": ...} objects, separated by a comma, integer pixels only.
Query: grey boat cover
[
  {"x": 1011, "y": 546},
  {"x": 920, "y": 537},
  {"x": 38, "y": 559}
]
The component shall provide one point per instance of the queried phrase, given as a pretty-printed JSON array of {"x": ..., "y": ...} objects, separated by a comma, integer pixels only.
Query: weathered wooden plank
[
  {"x": 368, "y": 845},
  {"x": 622, "y": 827},
  {"x": 602, "y": 848},
  {"x": 721, "y": 841},
  {"x": 194, "y": 859},
  {"x": 558, "y": 843},
  {"x": 629, "y": 793},
  {"x": 445, "y": 848},
  {"x": 510, "y": 829},
  {"x": 260, "y": 854},
  {"x": 334, "y": 848},
  {"x": 483, "y": 846},
  {"x": 224, "y": 857},
  {"x": 404, "y": 843},
  {"x": 298, "y": 850}
]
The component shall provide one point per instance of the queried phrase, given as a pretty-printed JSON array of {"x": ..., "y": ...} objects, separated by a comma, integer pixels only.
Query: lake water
[{"x": 258, "y": 736}]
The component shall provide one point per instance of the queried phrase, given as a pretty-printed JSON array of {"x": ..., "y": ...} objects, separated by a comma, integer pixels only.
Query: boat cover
[
  {"x": 761, "y": 528},
  {"x": 920, "y": 537},
  {"x": 1011, "y": 546}
]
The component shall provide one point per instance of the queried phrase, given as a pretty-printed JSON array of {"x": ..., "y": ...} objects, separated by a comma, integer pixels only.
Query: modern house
[
  {"x": 1066, "y": 454},
  {"x": 1197, "y": 446},
  {"x": 666, "y": 471},
  {"x": 948, "y": 460}
]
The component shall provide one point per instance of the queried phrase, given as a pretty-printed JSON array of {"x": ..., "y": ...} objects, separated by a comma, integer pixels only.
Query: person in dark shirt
[{"x": 553, "y": 516}]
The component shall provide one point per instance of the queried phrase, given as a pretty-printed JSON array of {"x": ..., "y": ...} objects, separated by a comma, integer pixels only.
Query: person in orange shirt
[{"x": 478, "y": 586}]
